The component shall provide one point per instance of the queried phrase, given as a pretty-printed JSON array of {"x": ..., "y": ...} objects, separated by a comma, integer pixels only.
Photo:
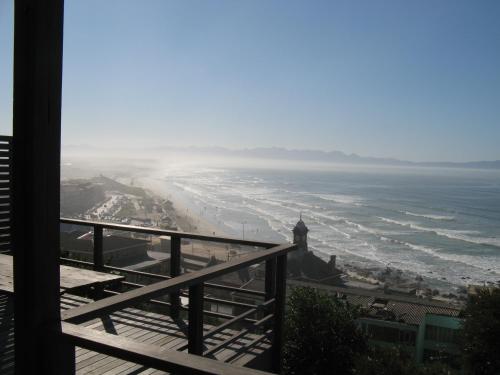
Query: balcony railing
[{"x": 273, "y": 255}]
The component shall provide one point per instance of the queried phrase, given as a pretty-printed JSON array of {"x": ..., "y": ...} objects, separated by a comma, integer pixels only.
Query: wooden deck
[
  {"x": 141, "y": 326},
  {"x": 72, "y": 278}
]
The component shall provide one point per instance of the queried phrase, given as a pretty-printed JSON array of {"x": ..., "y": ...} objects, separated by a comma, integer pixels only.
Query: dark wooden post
[
  {"x": 270, "y": 283},
  {"x": 195, "y": 331},
  {"x": 67, "y": 354},
  {"x": 38, "y": 36},
  {"x": 270, "y": 278},
  {"x": 98, "y": 248},
  {"x": 279, "y": 313},
  {"x": 175, "y": 270}
]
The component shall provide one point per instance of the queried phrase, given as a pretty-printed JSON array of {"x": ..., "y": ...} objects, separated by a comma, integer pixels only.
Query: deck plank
[
  {"x": 139, "y": 325},
  {"x": 71, "y": 277}
]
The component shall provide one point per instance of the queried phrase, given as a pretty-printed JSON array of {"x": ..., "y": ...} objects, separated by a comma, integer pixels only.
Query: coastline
[
  {"x": 187, "y": 219},
  {"x": 367, "y": 278}
]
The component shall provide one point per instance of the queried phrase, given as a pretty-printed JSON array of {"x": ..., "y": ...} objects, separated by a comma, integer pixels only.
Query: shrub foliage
[
  {"x": 321, "y": 336},
  {"x": 481, "y": 333}
]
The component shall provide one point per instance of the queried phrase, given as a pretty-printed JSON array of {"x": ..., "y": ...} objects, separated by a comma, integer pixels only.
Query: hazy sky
[{"x": 416, "y": 80}]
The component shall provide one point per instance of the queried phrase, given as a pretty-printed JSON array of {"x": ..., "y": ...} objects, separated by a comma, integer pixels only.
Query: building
[
  {"x": 300, "y": 239},
  {"x": 427, "y": 330},
  {"x": 438, "y": 338},
  {"x": 117, "y": 250},
  {"x": 305, "y": 265}
]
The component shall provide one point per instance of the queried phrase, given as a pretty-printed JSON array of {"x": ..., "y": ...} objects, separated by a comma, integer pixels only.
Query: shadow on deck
[{"x": 141, "y": 326}]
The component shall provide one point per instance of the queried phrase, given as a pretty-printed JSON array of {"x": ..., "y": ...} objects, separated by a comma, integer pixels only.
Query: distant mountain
[
  {"x": 333, "y": 157},
  {"x": 278, "y": 153}
]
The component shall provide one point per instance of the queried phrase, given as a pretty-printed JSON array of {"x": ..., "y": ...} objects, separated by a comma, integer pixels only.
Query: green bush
[
  {"x": 385, "y": 361},
  {"x": 321, "y": 336},
  {"x": 480, "y": 339},
  {"x": 395, "y": 361}
]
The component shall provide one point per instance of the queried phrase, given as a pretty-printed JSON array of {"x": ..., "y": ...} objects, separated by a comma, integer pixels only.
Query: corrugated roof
[
  {"x": 413, "y": 313},
  {"x": 406, "y": 309}
]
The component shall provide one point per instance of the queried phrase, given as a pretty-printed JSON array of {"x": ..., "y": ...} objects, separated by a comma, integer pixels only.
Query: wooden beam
[
  {"x": 175, "y": 270},
  {"x": 38, "y": 36},
  {"x": 221, "y": 301},
  {"x": 279, "y": 314},
  {"x": 234, "y": 289},
  {"x": 148, "y": 355},
  {"x": 98, "y": 248},
  {"x": 167, "y": 304},
  {"x": 195, "y": 313},
  {"x": 270, "y": 281},
  {"x": 172, "y": 233},
  {"x": 113, "y": 303},
  {"x": 163, "y": 277},
  {"x": 236, "y": 336},
  {"x": 228, "y": 323},
  {"x": 245, "y": 348}
]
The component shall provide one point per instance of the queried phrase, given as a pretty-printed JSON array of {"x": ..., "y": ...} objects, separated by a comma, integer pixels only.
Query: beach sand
[{"x": 189, "y": 221}]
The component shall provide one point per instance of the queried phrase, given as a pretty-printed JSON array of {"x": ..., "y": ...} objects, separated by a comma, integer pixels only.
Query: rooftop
[{"x": 409, "y": 310}]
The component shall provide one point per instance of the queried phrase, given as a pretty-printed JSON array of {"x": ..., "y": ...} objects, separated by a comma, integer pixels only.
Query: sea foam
[{"x": 430, "y": 216}]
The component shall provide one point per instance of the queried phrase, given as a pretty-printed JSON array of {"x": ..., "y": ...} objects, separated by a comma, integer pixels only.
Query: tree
[
  {"x": 321, "y": 336},
  {"x": 385, "y": 361},
  {"x": 395, "y": 361},
  {"x": 481, "y": 333}
]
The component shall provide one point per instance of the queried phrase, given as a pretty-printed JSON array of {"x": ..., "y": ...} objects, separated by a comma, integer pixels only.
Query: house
[{"x": 427, "y": 330}]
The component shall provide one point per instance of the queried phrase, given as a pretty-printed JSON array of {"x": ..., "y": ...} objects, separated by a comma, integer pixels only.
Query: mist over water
[{"x": 441, "y": 224}]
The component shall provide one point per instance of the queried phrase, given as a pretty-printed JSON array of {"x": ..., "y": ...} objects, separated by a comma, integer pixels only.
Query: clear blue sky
[{"x": 415, "y": 80}]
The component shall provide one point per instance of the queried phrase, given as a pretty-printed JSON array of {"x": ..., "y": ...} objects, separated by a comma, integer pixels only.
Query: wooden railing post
[
  {"x": 36, "y": 161},
  {"x": 175, "y": 270},
  {"x": 279, "y": 313},
  {"x": 67, "y": 356},
  {"x": 195, "y": 330},
  {"x": 98, "y": 248},
  {"x": 270, "y": 278}
]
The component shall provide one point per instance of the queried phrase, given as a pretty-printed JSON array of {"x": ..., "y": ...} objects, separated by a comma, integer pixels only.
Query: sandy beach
[{"x": 189, "y": 221}]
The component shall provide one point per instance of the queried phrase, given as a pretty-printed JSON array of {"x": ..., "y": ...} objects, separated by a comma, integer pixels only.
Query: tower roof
[{"x": 300, "y": 227}]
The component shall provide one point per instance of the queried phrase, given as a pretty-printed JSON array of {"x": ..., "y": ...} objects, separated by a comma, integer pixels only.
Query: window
[{"x": 440, "y": 334}]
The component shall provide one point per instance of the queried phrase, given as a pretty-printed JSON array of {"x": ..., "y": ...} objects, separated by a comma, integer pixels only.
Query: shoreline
[
  {"x": 367, "y": 278},
  {"x": 187, "y": 220},
  {"x": 189, "y": 216}
]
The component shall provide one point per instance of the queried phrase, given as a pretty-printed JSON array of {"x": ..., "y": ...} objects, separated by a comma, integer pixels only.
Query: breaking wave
[
  {"x": 430, "y": 216},
  {"x": 461, "y": 235}
]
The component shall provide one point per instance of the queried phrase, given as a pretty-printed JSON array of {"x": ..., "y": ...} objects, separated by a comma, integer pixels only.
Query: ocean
[{"x": 442, "y": 224}]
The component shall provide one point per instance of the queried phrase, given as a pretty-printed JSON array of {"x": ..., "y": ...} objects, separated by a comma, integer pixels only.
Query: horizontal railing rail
[
  {"x": 148, "y": 355},
  {"x": 162, "y": 277},
  {"x": 113, "y": 303},
  {"x": 234, "y": 320},
  {"x": 175, "y": 284},
  {"x": 166, "y": 232},
  {"x": 175, "y": 247},
  {"x": 186, "y": 308}
]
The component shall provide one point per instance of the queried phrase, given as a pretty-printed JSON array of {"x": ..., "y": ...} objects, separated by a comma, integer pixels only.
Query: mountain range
[{"x": 279, "y": 153}]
